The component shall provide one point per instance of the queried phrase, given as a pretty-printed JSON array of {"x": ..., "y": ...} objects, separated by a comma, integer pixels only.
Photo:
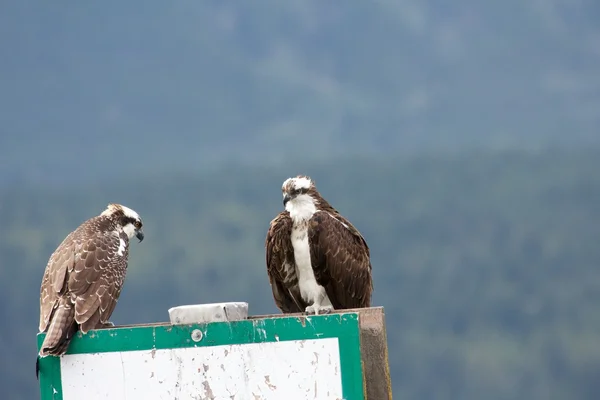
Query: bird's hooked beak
[
  {"x": 286, "y": 198},
  {"x": 139, "y": 234}
]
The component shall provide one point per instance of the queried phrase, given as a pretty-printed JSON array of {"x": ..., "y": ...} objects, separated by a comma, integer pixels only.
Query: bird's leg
[
  {"x": 310, "y": 310},
  {"x": 318, "y": 309},
  {"x": 321, "y": 305}
]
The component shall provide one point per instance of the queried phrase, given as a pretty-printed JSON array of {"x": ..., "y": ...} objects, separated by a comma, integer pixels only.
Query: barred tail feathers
[{"x": 61, "y": 330}]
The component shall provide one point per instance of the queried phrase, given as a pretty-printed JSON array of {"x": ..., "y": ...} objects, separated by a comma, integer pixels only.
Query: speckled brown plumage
[{"x": 83, "y": 279}]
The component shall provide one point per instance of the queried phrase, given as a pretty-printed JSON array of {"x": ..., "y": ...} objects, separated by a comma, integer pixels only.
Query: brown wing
[
  {"x": 96, "y": 279},
  {"x": 281, "y": 265},
  {"x": 341, "y": 260},
  {"x": 90, "y": 273}
]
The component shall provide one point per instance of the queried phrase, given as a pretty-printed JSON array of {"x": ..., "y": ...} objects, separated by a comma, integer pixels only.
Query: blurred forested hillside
[
  {"x": 216, "y": 81},
  {"x": 486, "y": 263}
]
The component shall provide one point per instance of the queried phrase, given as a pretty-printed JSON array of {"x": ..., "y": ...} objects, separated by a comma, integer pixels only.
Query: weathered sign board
[{"x": 272, "y": 357}]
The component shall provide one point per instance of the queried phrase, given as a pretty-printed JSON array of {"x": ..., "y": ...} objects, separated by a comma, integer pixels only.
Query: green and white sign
[{"x": 312, "y": 357}]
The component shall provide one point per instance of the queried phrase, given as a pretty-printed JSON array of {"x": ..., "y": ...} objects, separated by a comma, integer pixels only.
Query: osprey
[
  {"x": 84, "y": 277},
  {"x": 317, "y": 260}
]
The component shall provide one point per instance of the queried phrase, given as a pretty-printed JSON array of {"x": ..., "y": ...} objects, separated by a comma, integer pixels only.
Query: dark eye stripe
[
  {"x": 129, "y": 220},
  {"x": 299, "y": 191}
]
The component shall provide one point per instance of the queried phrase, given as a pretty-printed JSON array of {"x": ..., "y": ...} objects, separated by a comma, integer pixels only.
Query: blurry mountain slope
[
  {"x": 91, "y": 89},
  {"x": 486, "y": 264}
]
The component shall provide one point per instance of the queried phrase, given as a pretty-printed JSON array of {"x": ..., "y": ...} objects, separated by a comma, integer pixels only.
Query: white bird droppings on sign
[{"x": 277, "y": 370}]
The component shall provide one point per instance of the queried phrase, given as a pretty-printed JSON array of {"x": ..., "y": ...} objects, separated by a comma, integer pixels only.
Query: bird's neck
[
  {"x": 301, "y": 208},
  {"x": 129, "y": 230}
]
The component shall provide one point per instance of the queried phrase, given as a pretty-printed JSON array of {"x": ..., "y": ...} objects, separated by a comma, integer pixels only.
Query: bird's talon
[
  {"x": 310, "y": 310},
  {"x": 318, "y": 310},
  {"x": 326, "y": 310}
]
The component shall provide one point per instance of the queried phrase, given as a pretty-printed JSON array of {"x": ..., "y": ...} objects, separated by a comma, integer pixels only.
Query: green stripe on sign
[
  {"x": 50, "y": 381},
  {"x": 344, "y": 327}
]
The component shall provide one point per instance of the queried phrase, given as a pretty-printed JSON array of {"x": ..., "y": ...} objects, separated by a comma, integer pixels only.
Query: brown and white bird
[
  {"x": 317, "y": 260},
  {"x": 84, "y": 277}
]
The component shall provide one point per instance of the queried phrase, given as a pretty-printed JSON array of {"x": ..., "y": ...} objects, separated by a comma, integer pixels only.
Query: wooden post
[{"x": 342, "y": 355}]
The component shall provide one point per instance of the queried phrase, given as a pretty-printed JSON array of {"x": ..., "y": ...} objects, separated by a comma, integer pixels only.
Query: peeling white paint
[{"x": 304, "y": 369}]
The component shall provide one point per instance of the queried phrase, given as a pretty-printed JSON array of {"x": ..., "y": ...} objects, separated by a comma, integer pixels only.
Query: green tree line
[{"x": 486, "y": 263}]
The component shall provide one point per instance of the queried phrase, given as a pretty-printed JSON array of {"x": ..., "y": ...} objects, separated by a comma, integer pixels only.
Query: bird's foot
[
  {"x": 316, "y": 310},
  {"x": 104, "y": 325}
]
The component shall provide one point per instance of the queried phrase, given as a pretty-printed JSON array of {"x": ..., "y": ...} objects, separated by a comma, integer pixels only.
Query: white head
[
  {"x": 129, "y": 220},
  {"x": 299, "y": 196}
]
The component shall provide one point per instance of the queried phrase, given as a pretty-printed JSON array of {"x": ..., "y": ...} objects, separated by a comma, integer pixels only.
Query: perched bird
[
  {"x": 84, "y": 276},
  {"x": 317, "y": 260}
]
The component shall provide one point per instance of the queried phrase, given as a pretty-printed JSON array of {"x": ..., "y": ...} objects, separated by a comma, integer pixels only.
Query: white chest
[
  {"x": 301, "y": 209},
  {"x": 309, "y": 288}
]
